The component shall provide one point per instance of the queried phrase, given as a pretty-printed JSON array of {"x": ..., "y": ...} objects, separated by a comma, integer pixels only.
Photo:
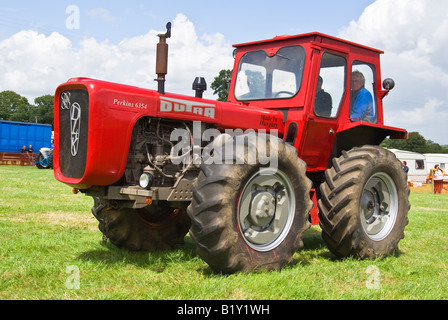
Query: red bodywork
[
  {"x": 316, "y": 135},
  {"x": 114, "y": 109}
]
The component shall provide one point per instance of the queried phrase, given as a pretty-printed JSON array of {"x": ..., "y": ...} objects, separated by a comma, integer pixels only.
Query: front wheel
[
  {"x": 247, "y": 216},
  {"x": 364, "y": 203}
]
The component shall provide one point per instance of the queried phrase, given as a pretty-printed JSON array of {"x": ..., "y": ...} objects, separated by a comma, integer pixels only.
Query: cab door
[{"x": 321, "y": 123}]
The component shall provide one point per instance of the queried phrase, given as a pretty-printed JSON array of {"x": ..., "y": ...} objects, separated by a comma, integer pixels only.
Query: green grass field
[{"x": 51, "y": 248}]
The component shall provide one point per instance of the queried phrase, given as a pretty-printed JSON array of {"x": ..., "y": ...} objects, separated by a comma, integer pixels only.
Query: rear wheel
[
  {"x": 364, "y": 203},
  {"x": 251, "y": 217},
  {"x": 148, "y": 229}
]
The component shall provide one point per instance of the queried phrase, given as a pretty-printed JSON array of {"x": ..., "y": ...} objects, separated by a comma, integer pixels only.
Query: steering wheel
[{"x": 283, "y": 92}]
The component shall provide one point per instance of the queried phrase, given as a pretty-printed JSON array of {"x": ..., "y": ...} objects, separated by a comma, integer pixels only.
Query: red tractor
[{"x": 302, "y": 124}]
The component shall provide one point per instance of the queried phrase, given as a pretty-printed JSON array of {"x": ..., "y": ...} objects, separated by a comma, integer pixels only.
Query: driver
[{"x": 361, "y": 102}]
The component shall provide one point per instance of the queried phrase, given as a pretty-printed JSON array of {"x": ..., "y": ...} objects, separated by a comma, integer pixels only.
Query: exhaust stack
[{"x": 162, "y": 59}]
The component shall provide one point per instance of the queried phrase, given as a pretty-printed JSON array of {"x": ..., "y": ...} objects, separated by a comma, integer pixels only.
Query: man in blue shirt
[{"x": 361, "y": 101}]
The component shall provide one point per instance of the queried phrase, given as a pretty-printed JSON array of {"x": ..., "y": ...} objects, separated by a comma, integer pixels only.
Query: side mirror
[{"x": 388, "y": 84}]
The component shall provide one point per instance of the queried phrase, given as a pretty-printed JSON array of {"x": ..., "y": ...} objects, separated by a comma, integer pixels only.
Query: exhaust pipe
[{"x": 162, "y": 59}]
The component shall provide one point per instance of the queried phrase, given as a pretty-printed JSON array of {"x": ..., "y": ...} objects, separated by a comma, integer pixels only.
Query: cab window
[
  {"x": 274, "y": 75},
  {"x": 362, "y": 93},
  {"x": 330, "y": 85}
]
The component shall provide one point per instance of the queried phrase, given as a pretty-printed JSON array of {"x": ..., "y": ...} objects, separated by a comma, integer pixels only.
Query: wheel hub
[
  {"x": 379, "y": 206},
  {"x": 266, "y": 209},
  {"x": 369, "y": 206},
  {"x": 262, "y": 208}
]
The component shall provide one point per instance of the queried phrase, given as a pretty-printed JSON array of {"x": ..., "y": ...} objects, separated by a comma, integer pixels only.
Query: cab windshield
[{"x": 269, "y": 75}]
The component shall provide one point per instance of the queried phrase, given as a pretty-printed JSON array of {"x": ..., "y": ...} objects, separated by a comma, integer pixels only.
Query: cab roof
[{"x": 312, "y": 36}]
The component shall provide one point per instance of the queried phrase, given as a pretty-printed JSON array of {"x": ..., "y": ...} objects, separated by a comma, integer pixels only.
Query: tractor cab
[{"x": 325, "y": 87}]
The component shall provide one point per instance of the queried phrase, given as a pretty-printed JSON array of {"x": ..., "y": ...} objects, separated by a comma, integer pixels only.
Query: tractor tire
[
  {"x": 364, "y": 203},
  {"x": 247, "y": 217},
  {"x": 148, "y": 229},
  {"x": 50, "y": 160}
]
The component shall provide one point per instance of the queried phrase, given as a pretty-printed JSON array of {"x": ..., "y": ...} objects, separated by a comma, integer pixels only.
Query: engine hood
[
  {"x": 94, "y": 121},
  {"x": 145, "y": 102}
]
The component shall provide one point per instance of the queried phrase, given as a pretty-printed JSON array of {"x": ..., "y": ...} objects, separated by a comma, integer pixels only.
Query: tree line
[
  {"x": 415, "y": 143},
  {"x": 14, "y": 107}
]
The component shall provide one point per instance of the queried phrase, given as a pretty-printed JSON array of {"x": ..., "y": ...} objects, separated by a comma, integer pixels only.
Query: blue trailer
[{"x": 15, "y": 135}]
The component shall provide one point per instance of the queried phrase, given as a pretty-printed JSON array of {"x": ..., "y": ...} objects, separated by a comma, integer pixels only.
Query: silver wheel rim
[
  {"x": 266, "y": 209},
  {"x": 379, "y": 206}
]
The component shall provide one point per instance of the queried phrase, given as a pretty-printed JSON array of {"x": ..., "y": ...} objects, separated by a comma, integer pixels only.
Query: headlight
[{"x": 146, "y": 180}]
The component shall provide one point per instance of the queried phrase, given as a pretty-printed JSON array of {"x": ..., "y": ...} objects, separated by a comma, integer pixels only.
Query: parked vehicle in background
[
  {"x": 416, "y": 162},
  {"x": 436, "y": 158},
  {"x": 44, "y": 158}
]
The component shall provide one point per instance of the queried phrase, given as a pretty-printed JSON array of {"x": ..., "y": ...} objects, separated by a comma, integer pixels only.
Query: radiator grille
[{"x": 73, "y": 132}]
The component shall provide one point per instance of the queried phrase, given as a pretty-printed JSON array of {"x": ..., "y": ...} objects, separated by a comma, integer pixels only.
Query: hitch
[{"x": 162, "y": 59}]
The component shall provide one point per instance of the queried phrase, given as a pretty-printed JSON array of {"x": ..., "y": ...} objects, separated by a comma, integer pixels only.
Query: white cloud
[
  {"x": 414, "y": 36},
  {"x": 430, "y": 120},
  {"x": 33, "y": 64},
  {"x": 29, "y": 62},
  {"x": 432, "y": 113},
  {"x": 191, "y": 56}
]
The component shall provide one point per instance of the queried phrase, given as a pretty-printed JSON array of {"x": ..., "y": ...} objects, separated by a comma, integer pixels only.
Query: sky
[{"x": 44, "y": 43}]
